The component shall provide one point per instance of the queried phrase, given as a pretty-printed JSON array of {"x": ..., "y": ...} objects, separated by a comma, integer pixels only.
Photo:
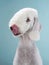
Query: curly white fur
[{"x": 27, "y": 52}]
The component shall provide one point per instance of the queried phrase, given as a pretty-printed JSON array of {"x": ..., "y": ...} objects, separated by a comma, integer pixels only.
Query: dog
[{"x": 25, "y": 25}]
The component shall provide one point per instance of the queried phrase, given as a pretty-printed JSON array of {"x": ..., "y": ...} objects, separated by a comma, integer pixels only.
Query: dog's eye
[{"x": 28, "y": 20}]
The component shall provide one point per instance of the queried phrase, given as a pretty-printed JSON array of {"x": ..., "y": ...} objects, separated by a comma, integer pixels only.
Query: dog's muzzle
[{"x": 15, "y": 29}]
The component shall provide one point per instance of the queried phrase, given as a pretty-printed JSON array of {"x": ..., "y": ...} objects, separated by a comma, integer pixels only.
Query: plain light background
[{"x": 8, "y": 43}]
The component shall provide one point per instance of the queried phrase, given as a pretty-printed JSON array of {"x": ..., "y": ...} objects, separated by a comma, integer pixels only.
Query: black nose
[
  {"x": 11, "y": 28},
  {"x": 15, "y": 29}
]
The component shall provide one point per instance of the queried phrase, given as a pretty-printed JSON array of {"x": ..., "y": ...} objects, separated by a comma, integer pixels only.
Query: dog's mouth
[{"x": 15, "y": 30}]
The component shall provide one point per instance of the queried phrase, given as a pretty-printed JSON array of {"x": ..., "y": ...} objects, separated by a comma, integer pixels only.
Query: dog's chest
[{"x": 26, "y": 54}]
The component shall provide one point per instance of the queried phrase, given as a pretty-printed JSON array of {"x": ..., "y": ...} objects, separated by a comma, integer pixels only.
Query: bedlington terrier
[{"x": 25, "y": 25}]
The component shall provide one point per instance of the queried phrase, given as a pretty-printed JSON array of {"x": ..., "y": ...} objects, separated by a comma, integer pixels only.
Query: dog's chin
[{"x": 18, "y": 34}]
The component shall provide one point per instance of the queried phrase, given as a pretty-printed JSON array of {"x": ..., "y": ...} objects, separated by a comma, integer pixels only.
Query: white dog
[{"x": 26, "y": 26}]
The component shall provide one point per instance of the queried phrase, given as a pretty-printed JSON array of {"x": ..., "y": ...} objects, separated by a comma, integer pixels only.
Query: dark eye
[{"x": 28, "y": 20}]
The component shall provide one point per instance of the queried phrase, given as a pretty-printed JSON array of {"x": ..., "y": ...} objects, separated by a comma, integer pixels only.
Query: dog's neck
[{"x": 25, "y": 40}]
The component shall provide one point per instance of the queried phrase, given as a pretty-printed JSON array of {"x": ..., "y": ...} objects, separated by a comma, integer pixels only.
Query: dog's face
[{"x": 23, "y": 21}]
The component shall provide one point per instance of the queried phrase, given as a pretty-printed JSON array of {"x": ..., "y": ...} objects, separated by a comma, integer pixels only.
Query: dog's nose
[{"x": 15, "y": 29}]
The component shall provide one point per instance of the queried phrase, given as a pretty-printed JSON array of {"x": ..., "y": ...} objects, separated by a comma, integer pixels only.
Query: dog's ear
[{"x": 34, "y": 34}]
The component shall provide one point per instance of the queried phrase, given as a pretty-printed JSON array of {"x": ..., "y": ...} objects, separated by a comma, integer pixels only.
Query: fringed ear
[{"x": 34, "y": 34}]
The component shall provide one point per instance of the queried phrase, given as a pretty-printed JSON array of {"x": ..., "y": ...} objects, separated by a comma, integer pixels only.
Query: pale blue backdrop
[{"x": 8, "y": 43}]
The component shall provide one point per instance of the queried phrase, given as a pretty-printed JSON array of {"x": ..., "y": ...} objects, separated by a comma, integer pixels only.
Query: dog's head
[{"x": 26, "y": 20}]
